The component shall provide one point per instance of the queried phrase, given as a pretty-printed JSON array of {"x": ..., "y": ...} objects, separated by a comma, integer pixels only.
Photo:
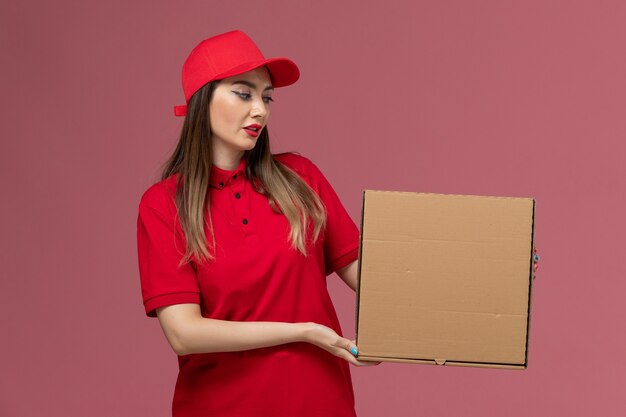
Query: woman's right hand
[{"x": 327, "y": 339}]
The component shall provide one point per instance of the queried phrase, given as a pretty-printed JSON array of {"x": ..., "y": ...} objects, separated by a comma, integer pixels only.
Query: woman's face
[{"x": 238, "y": 111}]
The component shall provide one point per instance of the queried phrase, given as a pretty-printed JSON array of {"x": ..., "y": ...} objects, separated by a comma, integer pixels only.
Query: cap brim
[{"x": 283, "y": 71}]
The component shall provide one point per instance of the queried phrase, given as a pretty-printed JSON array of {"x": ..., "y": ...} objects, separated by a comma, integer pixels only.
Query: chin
[{"x": 250, "y": 145}]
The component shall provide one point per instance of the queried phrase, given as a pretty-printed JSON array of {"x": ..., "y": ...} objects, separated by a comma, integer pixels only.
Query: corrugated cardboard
[{"x": 445, "y": 279}]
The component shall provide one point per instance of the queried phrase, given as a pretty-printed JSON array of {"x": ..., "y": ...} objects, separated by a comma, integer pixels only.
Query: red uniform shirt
[{"x": 256, "y": 276}]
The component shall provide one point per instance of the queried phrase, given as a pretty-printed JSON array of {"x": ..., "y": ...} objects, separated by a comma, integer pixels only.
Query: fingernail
[{"x": 354, "y": 351}]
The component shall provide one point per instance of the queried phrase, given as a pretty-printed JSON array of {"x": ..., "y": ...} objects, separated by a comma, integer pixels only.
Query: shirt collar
[{"x": 221, "y": 178}]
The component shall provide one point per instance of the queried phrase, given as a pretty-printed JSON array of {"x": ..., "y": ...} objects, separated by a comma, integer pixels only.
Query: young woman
[{"x": 235, "y": 244}]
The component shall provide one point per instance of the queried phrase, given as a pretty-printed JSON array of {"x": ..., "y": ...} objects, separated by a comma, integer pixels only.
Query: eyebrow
[{"x": 252, "y": 85}]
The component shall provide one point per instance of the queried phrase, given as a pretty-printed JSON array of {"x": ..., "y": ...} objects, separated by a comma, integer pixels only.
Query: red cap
[{"x": 226, "y": 55}]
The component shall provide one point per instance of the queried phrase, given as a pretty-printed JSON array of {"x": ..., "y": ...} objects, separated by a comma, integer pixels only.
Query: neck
[{"x": 228, "y": 161}]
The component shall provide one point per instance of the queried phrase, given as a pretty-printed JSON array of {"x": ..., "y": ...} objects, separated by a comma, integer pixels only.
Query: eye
[
  {"x": 267, "y": 99},
  {"x": 244, "y": 96}
]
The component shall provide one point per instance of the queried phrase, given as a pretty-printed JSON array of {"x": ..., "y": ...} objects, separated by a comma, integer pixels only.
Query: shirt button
[
  {"x": 245, "y": 221},
  {"x": 221, "y": 184},
  {"x": 237, "y": 195},
  {"x": 235, "y": 176}
]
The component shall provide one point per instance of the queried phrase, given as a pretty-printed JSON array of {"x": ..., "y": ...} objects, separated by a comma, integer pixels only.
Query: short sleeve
[
  {"x": 341, "y": 237},
  {"x": 160, "y": 247}
]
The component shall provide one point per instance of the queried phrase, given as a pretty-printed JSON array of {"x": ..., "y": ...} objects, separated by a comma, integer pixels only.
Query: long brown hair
[{"x": 192, "y": 160}]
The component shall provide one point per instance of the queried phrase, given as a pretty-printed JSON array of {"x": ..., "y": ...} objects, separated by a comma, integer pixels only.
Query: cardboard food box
[{"x": 445, "y": 279}]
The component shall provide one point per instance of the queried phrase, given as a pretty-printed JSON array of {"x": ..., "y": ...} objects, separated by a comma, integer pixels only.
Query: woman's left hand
[
  {"x": 535, "y": 261},
  {"x": 327, "y": 339},
  {"x": 367, "y": 363}
]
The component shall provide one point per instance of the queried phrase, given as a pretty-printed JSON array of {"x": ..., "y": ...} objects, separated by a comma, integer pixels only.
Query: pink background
[{"x": 485, "y": 97}]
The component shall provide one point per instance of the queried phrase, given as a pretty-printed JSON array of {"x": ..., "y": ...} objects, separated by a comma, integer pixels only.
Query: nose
[{"x": 259, "y": 109}]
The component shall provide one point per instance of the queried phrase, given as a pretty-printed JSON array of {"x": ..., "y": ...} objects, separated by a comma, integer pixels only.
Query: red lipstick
[{"x": 253, "y": 129}]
